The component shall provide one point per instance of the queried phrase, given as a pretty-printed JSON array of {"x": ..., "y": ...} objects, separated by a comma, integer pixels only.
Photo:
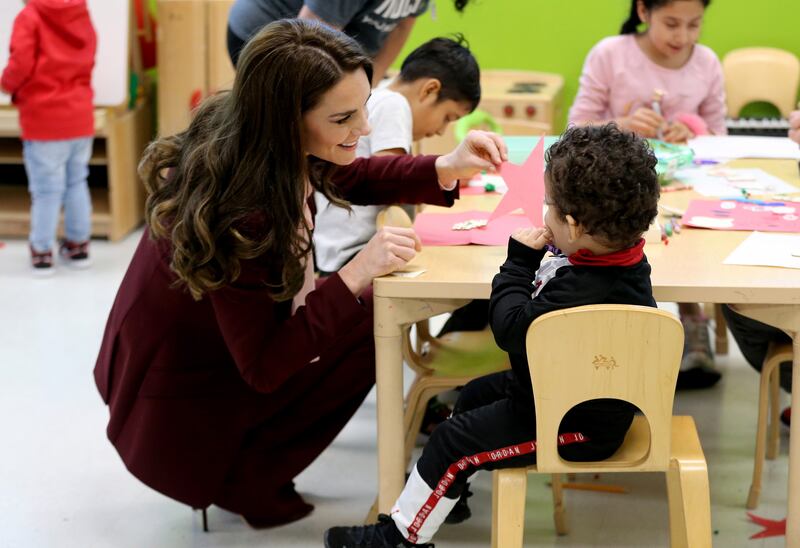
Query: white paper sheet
[
  {"x": 711, "y": 147},
  {"x": 767, "y": 249},
  {"x": 754, "y": 181}
]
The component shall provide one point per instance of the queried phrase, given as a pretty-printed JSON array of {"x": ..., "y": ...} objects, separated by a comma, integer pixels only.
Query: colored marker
[{"x": 676, "y": 188}]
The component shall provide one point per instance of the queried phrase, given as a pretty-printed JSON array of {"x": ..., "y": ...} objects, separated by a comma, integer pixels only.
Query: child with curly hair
[{"x": 602, "y": 192}]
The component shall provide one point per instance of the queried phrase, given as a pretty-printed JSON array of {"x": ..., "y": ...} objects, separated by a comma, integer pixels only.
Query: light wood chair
[
  {"x": 767, "y": 437},
  {"x": 629, "y": 353},
  {"x": 761, "y": 74}
]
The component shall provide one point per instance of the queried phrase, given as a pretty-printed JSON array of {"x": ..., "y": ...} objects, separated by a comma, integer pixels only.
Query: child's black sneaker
[
  {"x": 42, "y": 262},
  {"x": 460, "y": 511},
  {"x": 383, "y": 534},
  {"x": 75, "y": 254}
]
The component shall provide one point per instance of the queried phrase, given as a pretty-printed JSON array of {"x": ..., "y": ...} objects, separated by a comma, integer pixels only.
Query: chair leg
[
  {"x": 559, "y": 511},
  {"x": 761, "y": 438},
  {"x": 416, "y": 404},
  {"x": 412, "y": 417},
  {"x": 510, "y": 486},
  {"x": 689, "y": 504},
  {"x": 720, "y": 332},
  {"x": 773, "y": 438},
  {"x": 372, "y": 515}
]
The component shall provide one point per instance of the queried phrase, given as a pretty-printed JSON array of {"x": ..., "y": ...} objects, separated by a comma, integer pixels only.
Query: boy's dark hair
[
  {"x": 606, "y": 179},
  {"x": 449, "y": 61},
  {"x": 633, "y": 22}
]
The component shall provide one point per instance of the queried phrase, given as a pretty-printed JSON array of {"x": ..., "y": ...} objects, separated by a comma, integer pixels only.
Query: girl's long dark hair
[
  {"x": 633, "y": 22},
  {"x": 232, "y": 186}
]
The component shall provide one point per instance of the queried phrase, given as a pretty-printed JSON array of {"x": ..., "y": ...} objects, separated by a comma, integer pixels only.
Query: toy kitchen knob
[
  {"x": 530, "y": 110},
  {"x": 508, "y": 110}
]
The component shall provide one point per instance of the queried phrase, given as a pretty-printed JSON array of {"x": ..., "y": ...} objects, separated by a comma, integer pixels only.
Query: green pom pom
[{"x": 489, "y": 187}]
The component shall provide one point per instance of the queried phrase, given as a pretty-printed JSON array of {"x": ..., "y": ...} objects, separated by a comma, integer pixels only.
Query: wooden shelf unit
[{"x": 117, "y": 193}]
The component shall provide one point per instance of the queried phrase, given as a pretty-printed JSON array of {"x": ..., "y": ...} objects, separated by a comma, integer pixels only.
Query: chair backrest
[
  {"x": 761, "y": 74},
  {"x": 625, "y": 352}
]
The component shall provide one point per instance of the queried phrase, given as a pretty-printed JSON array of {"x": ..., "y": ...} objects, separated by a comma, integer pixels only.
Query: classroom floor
[{"x": 63, "y": 485}]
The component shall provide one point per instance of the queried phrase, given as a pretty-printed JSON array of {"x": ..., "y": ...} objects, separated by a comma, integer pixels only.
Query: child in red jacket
[{"x": 49, "y": 78}]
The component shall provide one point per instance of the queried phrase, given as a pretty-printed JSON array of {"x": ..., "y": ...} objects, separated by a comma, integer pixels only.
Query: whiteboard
[{"x": 111, "y": 23}]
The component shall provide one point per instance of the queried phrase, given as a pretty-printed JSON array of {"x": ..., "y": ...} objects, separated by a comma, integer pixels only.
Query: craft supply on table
[
  {"x": 486, "y": 183},
  {"x": 437, "y": 228},
  {"x": 470, "y": 224},
  {"x": 727, "y": 147},
  {"x": 410, "y": 273},
  {"x": 743, "y": 214},
  {"x": 670, "y": 211},
  {"x": 725, "y": 181},
  {"x": 673, "y": 187},
  {"x": 767, "y": 249},
  {"x": 671, "y": 157},
  {"x": 658, "y": 95}
]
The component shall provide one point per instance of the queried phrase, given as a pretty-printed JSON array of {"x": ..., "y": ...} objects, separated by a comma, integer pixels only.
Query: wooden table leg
[
  {"x": 787, "y": 318},
  {"x": 389, "y": 383},
  {"x": 390, "y": 315}
]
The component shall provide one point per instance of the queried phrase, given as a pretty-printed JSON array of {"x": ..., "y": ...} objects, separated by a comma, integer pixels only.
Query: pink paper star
[
  {"x": 525, "y": 187},
  {"x": 772, "y": 527}
]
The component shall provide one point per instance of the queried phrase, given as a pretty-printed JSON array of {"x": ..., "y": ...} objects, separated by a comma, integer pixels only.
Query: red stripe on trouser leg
[{"x": 476, "y": 460}]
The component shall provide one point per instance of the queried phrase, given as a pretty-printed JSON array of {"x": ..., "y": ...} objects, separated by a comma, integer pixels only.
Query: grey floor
[{"x": 63, "y": 485}]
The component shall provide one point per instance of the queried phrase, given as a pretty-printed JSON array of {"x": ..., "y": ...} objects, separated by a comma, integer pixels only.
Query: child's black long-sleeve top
[{"x": 524, "y": 289}]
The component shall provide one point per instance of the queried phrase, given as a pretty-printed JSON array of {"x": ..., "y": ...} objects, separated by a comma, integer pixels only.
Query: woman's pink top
[{"x": 619, "y": 78}]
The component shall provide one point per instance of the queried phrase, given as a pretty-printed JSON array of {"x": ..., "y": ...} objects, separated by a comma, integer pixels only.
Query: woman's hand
[
  {"x": 479, "y": 151},
  {"x": 678, "y": 132},
  {"x": 534, "y": 237},
  {"x": 389, "y": 249},
  {"x": 644, "y": 121},
  {"x": 794, "y": 126}
]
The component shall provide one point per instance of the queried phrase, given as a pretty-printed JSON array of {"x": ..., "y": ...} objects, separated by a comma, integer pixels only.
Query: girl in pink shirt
[{"x": 658, "y": 83}]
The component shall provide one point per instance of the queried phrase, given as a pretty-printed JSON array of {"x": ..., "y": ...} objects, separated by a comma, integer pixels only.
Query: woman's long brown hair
[{"x": 232, "y": 186}]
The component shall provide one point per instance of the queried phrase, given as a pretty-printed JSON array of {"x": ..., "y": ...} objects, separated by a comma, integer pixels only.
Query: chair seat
[
  {"x": 466, "y": 354},
  {"x": 687, "y": 488},
  {"x": 685, "y": 447}
]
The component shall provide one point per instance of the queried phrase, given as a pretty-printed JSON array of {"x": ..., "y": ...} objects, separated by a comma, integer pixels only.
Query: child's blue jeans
[{"x": 57, "y": 173}]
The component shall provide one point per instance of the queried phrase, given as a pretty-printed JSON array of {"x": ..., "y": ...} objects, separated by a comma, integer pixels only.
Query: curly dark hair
[{"x": 605, "y": 178}]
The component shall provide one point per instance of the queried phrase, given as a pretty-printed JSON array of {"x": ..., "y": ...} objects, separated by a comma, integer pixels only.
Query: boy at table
[{"x": 601, "y": 190}]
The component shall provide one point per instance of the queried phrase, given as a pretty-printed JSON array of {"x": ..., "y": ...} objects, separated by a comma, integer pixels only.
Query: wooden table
[{"x": 689, "y": 269}]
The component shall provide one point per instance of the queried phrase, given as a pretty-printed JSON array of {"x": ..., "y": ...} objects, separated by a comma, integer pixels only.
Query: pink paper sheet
[
  {"x": 437, "y": 228},
  {"x": 738, "y": 215},
  {"x": 525, "y": 187}
]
